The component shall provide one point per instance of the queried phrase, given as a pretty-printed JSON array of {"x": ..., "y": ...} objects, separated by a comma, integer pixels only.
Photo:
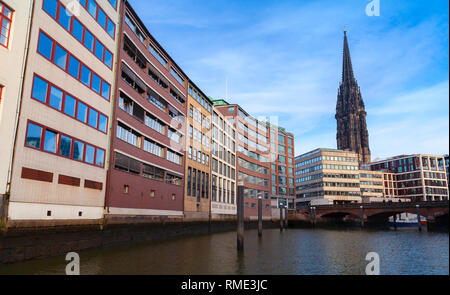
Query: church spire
[
  {"x": 347, "y": 69},
  {"x": 352, "y": 133}
]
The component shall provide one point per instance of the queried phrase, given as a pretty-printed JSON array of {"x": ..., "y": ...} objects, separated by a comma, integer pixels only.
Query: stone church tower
[{"x": 352, "y": 134}]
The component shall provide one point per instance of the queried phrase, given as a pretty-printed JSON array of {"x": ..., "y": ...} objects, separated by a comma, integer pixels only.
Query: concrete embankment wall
[{"x": 34, "y": 240}]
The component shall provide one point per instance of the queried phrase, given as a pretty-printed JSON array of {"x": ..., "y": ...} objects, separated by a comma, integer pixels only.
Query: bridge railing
[{"x": 433, "y": 204}]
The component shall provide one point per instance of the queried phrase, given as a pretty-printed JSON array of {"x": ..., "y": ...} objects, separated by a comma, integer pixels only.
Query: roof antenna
[{"x": 226, "y": 88}]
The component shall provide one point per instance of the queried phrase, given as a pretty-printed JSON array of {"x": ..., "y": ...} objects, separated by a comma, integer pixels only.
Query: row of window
[
  {"x": 259, "y": 137},
  {"x": 223, "y": 138},
  {"x": 62, "y": 101},
  {"x": 220, "y": 152},
  {"x": 253, "y": 179},
  {"x": 222, "y": 190},
  {"x": 141, "y": 61},
  {"x": 223, "y": 169},
  {"x": 197, "y": 116},
  {"x": 58, "y": 11},
  {"x": 253, "y": 155},
  {"x": 261, "y": 126},
  {"x": 197, "y": 183},
  {"x": 371, "y": 183},
  {"x": 200, "y": 99},
  {"x": 152, "y": 49},
  {"x": 254, "y": 193},
  {"x": 137, "y": 84},
  {"x": 251, "y": 144},
  {"x": 224, "y": 124},
  {"x": 5, "y": 24},
  {"x": 198, "y": 156},
  {"x": 253, "y": 167},
  {"x": 134, "y": 138},
  {"x": 199, "y": 136},
  {"x": 52, "y": 141},
  {"x": 127, "y": 164},
  {"x": 135, "y": 110},
  {"x": 99, "y": 15},
  {"x": 282, "y": 170},
  {"x": 55, "y": 53},
  {"x": 177, "y": 76}
]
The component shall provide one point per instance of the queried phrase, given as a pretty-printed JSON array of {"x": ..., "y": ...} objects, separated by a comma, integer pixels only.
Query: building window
[
  {"x": 55, "y": 53},
  {"x": 76, "y": 29},
  {"x": 126, "y": 189},
  {"x": 5, "y": 24},
  {"x": 62, "y": 101},
  {"x": 157, "y": 55},
  {"x": 137, "y": 31},
  {"x": 173, "y": 157},
  {"x": 152, "y": 194},
  {"x": 153, "y": 148},
  {"x": 51, "y": 141},
  {"x": 99, "y": 15},
  {"x": 176, "y": 76}
]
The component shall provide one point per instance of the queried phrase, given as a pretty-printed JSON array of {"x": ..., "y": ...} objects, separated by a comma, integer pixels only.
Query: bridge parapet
[{"x": 437, "y": 204}]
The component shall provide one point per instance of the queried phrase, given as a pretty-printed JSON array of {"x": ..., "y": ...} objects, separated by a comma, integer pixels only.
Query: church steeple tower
[{"x": 352, "y": 134}]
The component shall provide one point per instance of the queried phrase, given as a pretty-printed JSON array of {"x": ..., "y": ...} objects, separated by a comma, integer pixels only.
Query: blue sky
[{"x": 284, "y": 58}]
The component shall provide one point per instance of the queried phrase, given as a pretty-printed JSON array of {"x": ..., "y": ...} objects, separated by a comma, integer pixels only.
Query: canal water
[{"x": 295, "y": 251}]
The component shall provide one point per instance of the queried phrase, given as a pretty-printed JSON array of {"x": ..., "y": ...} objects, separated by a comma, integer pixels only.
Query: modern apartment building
[
  {"x": 223, "y": 167},
  {"x": 252, "y": 156},
  {"x": 197, "y": 201},
  {"x": 327, "y": 176},
  {"x": 15, "y": 24},
  {"x": 59, "y": 162},
  {"x": 282, "y": 173},
  {"x": 146, "y": 171},
  {"x": 417, "y": 177}
]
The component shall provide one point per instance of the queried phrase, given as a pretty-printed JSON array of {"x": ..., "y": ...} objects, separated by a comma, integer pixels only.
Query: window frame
[
  {"x": 63, "y": 104},
  {"x": 66, "y": 69},
  {"x": 105, "y": 28},
  {"x": 84, "y": 29},
  {"x": 2, "y": 17},
  {"x": 58, "y": 147}
]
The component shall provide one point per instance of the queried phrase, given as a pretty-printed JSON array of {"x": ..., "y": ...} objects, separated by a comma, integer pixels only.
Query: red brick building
[{"x": 146, "y": 168}]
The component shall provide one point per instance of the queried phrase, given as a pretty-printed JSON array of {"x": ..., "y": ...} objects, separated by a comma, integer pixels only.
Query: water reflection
[{"x": 295, "y": 251}]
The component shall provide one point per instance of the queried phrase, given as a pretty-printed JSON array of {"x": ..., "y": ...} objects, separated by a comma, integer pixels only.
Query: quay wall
[{"x": 42, "y": 239}]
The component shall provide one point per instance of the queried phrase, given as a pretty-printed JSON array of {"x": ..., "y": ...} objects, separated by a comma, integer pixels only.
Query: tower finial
[{"x": 345, "y": 31}]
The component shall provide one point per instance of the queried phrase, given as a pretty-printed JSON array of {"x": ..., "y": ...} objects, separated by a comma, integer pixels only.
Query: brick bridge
[{"x": 432, "y": 211}]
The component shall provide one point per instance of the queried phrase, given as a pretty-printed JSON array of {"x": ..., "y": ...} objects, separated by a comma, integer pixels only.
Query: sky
[{"x": 284, "y": 59}]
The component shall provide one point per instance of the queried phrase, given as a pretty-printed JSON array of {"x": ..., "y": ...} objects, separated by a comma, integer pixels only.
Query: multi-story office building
[
  {"x": 146, "y": 172},
  {"x": 390, "y": 187},
  {"x": 417, "y": 177},
  {"x": 223, "y": 166},
  {"x": 371, "y": 185},
  {"x": 197, "y": 201},
  {"x": 252, "y": 156},
  {"x": 14, "y": 29},
  {"x": 59, "y": 166},
  {"x": 327, "y": 176},
  {"x": 282, "y": 180}
]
